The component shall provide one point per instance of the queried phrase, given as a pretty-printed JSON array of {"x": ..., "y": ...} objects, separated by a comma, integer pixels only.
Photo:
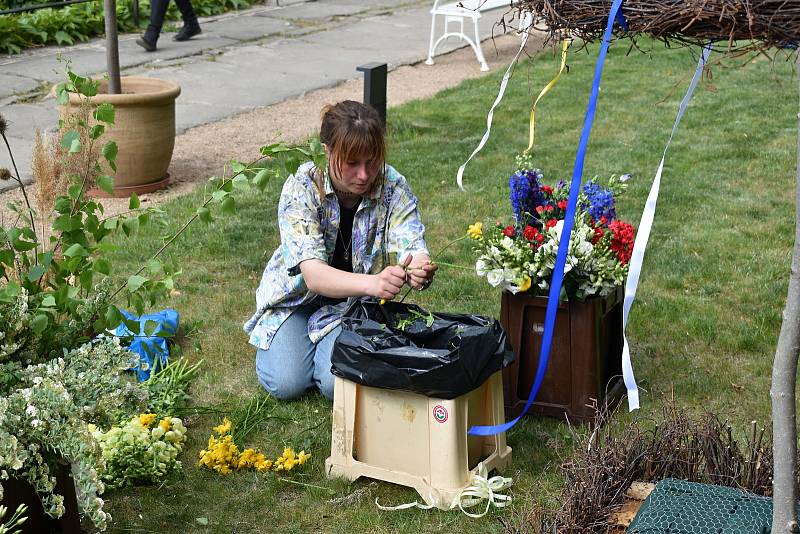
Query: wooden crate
[{"x": 585, "y": 368}]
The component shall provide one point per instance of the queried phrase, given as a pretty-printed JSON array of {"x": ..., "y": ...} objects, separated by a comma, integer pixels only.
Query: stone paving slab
[
  {"x": 14, "y": 84},
  {"x": 320, "y": 10},
  {"x": 23, "y": 148},
  {"x": 251, "y": 28}
]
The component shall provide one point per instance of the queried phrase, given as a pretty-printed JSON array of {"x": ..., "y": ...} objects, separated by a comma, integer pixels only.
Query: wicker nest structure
[{"x": 762, "y": 23}]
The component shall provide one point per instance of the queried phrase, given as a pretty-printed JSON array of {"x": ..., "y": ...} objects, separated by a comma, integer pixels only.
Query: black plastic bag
[{"x": 402, "y": 346}]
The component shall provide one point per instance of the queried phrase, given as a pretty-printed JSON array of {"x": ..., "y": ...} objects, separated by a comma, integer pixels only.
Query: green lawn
[{"x": 704, "y": 326}]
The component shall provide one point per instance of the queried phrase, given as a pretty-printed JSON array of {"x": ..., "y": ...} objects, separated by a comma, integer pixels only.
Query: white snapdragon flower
[{"x": 495, "y": 277}]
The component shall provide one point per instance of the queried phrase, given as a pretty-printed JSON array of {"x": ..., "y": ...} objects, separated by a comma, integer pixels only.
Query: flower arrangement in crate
[{"x": 520, "y": 256}]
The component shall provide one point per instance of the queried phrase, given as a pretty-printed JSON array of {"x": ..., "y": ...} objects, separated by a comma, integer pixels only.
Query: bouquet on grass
[{"x": 520, "y": 256}]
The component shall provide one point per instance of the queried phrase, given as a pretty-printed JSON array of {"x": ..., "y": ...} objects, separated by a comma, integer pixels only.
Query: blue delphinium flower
[
  {"x": 525, "y": 194},
  {"x": 600, "y": 202}
]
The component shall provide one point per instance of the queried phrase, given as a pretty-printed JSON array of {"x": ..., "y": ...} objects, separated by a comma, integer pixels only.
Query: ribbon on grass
[
  {"x": 481, "y": 488},
  {"x": 528, "y": 22},
  {"x": 564, "y": 46},
  {"x": 563, "y": 245},
  {"x": 643, "y": 235}
]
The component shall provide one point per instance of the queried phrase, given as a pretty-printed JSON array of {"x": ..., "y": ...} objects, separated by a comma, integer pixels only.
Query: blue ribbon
[
  {"x": 621, "y": 20},
  {"x": 563, "y": 245},
  {"x": 153, "y": 349}
]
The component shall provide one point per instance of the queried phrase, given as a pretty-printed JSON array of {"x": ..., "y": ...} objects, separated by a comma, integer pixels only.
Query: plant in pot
[
  {"x": 144, "y": 129},
  {"x": 519, "y": 257},
  {"x": 60, "y": 291}
]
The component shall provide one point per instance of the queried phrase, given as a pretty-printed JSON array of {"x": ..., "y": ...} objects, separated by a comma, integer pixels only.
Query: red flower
[
  {"x": 539, "y": 238},
  {"x": 539, "y": 209},
  {"x": 562, "y": 204},
  {"x": 546, "y": 189},
  {"x": 598, "y": 235},
  {"x": 603, "y": 220},
  {"x": 550, "y": 223},
  {"x": 529, "y": 233},
  {"x": 548, "y": 208},
  {"x": 508, "y": 231},
  {"x": 622, "y": 242}
]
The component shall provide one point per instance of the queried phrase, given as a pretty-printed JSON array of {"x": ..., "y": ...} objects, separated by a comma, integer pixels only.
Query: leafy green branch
[{"x": 68, "y": 281}]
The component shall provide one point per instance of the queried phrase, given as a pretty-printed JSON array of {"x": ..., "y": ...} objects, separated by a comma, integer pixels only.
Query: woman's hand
[
  {"x": 421, "y": 272},
  {"x": 388, "y": 283}
]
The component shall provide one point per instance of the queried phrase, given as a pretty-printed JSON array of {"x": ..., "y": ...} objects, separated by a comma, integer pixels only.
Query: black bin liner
[{"x": 402, "y": 346}]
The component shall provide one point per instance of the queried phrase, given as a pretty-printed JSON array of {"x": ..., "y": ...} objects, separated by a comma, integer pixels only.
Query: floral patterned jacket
[{"x": 387, "y": 221}]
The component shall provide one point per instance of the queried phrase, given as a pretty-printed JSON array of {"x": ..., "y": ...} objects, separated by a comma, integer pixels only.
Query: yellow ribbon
[
  {"x": 564, "y": 46},
  {"x": 481, "y": 488}
]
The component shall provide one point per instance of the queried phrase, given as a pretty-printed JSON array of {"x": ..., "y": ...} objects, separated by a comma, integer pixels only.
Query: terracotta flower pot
[{"x": 144, "y": 130}]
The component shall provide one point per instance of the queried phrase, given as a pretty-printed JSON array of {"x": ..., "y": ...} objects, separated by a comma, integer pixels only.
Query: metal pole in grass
[
  {"x": 784, "y": 382},
  {"x": 375, "y": 87},
  {"x": 112, "y": 47}
]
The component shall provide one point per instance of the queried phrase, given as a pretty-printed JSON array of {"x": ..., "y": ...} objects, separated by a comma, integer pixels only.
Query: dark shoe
[
  {"x": 144, "y": 43},
  {"x": 187, "y": 32}
]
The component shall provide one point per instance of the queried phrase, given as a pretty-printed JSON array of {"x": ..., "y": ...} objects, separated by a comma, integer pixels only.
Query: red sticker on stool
[{"x": 440, "y": 413}]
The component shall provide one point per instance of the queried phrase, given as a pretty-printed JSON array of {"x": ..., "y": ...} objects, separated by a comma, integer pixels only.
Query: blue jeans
[{"x": 292, "y": 363}]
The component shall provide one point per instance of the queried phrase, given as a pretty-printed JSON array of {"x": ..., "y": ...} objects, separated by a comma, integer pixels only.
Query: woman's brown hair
[{"x": 351, "y": 130}]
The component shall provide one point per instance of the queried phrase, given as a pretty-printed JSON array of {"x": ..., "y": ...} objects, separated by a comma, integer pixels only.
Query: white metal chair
[{"x": 457, "y": 12}]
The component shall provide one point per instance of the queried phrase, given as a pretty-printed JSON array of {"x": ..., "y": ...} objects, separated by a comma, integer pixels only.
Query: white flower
[
  {"x": 495, "y": 277},
  {"x": 31, "y": 410}
]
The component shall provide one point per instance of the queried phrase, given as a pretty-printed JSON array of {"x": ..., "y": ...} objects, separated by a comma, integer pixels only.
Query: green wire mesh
[{"x": 681, "y": 507}]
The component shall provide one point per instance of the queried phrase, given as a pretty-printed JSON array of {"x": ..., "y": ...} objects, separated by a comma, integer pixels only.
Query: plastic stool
[{"x": 413, "y": 440}]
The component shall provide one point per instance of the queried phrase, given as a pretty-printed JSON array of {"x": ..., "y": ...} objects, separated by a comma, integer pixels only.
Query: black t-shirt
[{"x": 343, "y": 253}]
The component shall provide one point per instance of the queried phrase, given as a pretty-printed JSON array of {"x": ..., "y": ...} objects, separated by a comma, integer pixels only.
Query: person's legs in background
[
  {"x": 286, "y": 368},
  {"x": 158, "y": 10},
  {"x": 190, "y": 25}
]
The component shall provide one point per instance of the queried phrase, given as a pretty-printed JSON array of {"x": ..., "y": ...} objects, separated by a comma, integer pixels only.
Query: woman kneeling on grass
[{"x": 338, "y": 226}]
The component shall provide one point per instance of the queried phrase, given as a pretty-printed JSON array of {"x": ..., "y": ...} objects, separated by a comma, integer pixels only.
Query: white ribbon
[
  {"x": 481, "y": 489},
  {"x": 525, "y": 27},
  {"x": 640, "y": 244}
]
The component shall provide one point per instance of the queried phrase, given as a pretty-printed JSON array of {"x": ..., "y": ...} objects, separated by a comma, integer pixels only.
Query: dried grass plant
[
  {"x": 54, "y": 168},
  {"x": 49, "y": 178},
  {"x": 738, "y": 24},
  {"x": 671, "y": 444}
]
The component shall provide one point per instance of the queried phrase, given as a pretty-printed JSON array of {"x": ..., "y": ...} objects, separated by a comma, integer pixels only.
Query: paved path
[{"x": 241, "y": 61}]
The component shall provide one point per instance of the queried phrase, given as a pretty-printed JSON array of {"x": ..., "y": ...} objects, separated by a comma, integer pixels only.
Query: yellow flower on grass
[
  {"x": 263, "y": 464},
  {"x": 526, "y": 284},
  {"x": 303, "y": 457},
  {"x": 288, "y": 454},
  {"x": 251, "y": 458},
  {"x": 220, "y": 455},
  {"x": 165, "y": 424},
  {"x": 224, "y": 428},
  {"x": 147, "y": 419},
  {"x": 475, "y": 231}
]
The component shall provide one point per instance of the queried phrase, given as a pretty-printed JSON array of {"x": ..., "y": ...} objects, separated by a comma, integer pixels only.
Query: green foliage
[
  {"x": 15, "y": 521},
  {"x": 168, "y": 387},
  {"x": 134, "y": 453},
  {"x": 80, "y": 22},
  {"x": 61, "y": 288}
]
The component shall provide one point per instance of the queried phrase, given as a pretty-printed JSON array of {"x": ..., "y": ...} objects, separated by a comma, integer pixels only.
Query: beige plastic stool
[{"x": 413, "y": 440}]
